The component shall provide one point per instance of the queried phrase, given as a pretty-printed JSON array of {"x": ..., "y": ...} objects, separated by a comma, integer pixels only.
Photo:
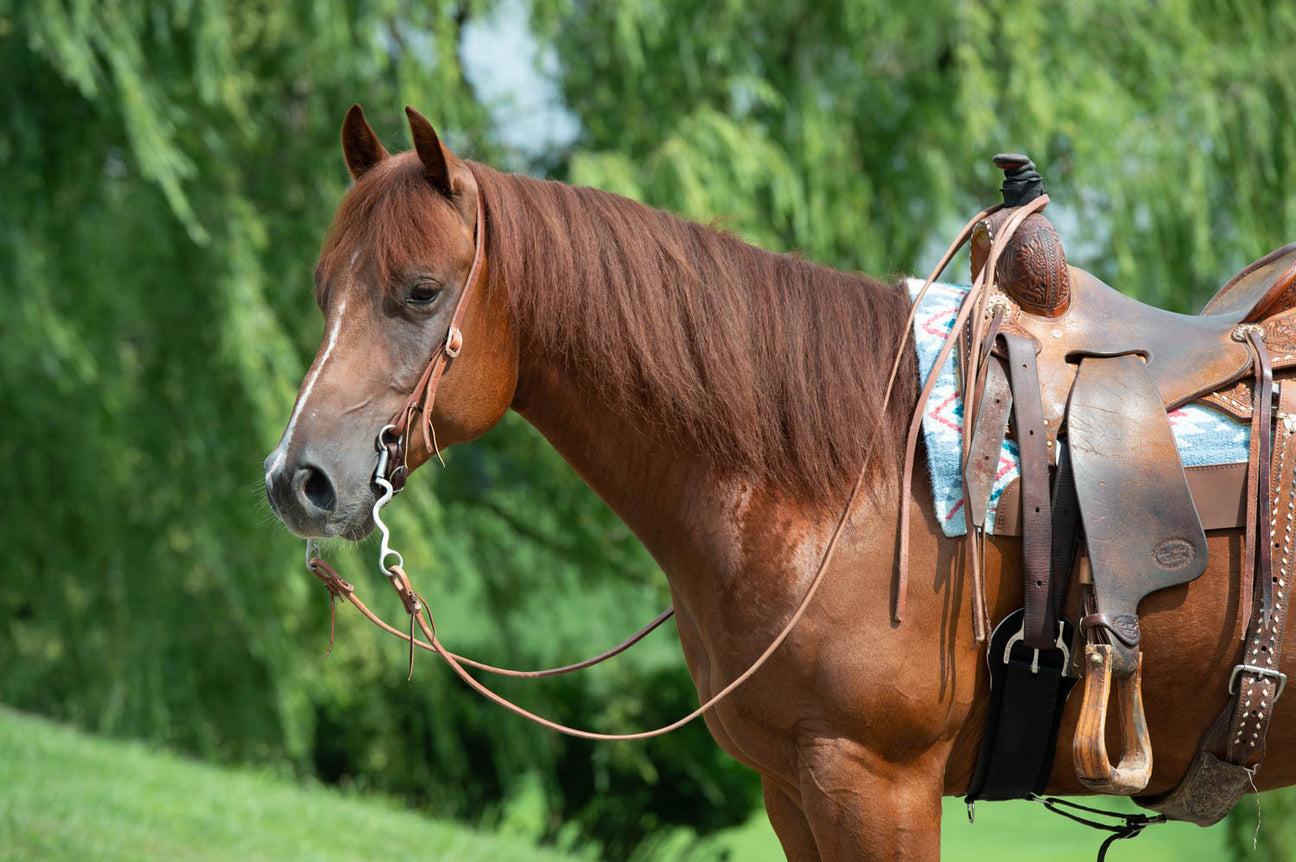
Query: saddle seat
[{"x": 1189, "y": 357}]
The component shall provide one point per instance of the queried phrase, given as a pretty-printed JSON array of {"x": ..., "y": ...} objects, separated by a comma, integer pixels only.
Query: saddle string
[
  {"x": 1256, "y": 556},
  {"x": 984, "y": 277},
  {"x": 959, "y": 241},
  {"x": 963, "y": 236},
  {"x": 978, "y": 359}
]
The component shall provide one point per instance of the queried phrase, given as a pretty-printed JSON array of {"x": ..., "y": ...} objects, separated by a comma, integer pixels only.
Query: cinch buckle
[
  {"x": 1061, "y": 644},
  {"x": 1258, "y": 671}
]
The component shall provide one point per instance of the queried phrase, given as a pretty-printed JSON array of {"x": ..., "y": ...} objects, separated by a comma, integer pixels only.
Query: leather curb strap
[{"x": 1232, "y": 750}]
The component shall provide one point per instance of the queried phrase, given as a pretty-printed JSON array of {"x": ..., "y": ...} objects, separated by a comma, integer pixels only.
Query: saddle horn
[{"x": 1033, "y": 268}]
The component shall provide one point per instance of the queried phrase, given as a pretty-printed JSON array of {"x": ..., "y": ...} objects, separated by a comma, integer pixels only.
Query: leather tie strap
[{"x": 1040, "y": 623}]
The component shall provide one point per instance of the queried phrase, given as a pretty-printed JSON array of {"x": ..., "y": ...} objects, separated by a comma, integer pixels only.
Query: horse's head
[{"x": 389, "y": 281}]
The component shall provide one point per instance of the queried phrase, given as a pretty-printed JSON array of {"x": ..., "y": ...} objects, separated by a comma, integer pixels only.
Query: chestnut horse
[{"x": 721, "y": 400}]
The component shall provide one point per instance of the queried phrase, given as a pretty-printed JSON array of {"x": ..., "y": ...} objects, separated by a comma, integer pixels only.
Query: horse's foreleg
[
  {"x": 789, "y": 822},
  {"x": 860, "y": 806}
]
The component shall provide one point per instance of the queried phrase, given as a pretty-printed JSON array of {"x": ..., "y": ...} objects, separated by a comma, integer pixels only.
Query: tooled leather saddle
[{"x": 1083, "y": 375}]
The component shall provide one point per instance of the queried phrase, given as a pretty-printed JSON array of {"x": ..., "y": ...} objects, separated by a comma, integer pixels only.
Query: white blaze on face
[{"x": 284, "y": 442}]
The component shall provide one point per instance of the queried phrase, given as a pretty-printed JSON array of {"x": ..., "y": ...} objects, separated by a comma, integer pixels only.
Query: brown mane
[{"x": 772, "y": 366}]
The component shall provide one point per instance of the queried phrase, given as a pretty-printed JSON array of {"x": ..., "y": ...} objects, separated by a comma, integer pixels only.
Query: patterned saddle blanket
[{"x": 1204, "y": 436}]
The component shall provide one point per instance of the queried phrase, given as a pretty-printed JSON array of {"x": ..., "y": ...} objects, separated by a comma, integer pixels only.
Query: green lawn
[
  {"x": 65, "y": 795},
  {"x": 1025, "y": 832}
]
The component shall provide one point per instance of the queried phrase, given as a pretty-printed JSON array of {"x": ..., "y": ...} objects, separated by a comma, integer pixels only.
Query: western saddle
[{"x": 1082, "y": 376}]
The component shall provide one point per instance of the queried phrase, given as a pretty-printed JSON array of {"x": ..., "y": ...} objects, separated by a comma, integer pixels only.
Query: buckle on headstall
[
  {"x": 1060, "y": 644},
  {"x": 1258, "y": 671}
]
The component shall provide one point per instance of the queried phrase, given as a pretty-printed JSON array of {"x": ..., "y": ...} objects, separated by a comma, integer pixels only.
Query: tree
[
  {"x": 862, "y": 135},
  {"x": 171, "y": 167}
]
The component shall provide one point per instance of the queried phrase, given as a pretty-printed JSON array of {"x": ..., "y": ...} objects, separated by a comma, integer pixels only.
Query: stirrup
[{"x": 1089, "y": 749}]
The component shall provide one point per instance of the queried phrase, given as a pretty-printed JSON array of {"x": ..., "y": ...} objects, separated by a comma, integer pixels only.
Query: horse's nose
[
  {"x": 302, "y": 494},
  {"x": 314, "y": 489}
]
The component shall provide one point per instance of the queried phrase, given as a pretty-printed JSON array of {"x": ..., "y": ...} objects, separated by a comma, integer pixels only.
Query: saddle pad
[{"x": 1202, "y": 435}]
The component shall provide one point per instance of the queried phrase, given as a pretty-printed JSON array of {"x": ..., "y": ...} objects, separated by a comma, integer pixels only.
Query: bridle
[
  {"x": 392, "y": 470},
  {"x": 394, "y": 437},
  {"x": 390, "y": 475}
]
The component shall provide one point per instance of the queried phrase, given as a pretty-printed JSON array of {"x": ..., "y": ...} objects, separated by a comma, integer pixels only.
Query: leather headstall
[{"x": 395, "y": 436}]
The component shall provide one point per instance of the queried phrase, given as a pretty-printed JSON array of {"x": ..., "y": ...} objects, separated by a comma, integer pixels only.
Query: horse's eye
[{"x": 424, "y": 293}]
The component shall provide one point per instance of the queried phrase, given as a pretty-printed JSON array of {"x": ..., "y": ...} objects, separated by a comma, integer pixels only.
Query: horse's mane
[{"x": 771, "y": 366}]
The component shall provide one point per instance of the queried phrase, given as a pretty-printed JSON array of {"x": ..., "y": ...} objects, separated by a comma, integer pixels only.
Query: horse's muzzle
[{"x": 303, "y": 495}]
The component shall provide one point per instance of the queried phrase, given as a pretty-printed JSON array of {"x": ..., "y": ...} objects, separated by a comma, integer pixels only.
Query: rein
[{"x": 392, "y": 471}]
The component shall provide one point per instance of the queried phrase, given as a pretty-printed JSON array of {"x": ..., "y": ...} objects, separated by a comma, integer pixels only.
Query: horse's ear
[
  {"x": 360, "y": 146},
  {"x": 436, "y": 158}
]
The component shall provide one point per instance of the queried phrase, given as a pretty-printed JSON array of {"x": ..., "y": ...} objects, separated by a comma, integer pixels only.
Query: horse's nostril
[{"x": 319, "y": 490}]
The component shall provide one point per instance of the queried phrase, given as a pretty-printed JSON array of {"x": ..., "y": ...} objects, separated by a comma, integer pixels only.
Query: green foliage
[
  {"x": 861, "y": 134},
  {"x": 170, "y": 168}
]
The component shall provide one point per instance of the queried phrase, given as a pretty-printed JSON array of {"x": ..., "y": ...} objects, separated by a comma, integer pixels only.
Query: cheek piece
[{"x": 394, "y": 437}]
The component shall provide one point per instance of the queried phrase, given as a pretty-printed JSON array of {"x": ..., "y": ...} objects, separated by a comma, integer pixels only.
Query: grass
[
  {"x": 1024, "y": 832},
  {"x": 65, "y": 795}
]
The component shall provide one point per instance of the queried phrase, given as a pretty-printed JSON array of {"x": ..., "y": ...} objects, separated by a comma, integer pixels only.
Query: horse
[{"x": 720, "y": 399}]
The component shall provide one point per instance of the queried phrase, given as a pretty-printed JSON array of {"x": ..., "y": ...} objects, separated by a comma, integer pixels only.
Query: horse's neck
[
  {"x": 698, "y": 513},
  {"x": 666, "y": 495}
]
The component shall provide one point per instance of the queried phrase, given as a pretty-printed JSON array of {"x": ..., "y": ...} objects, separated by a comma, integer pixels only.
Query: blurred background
[{"x": 169, "y": 170}]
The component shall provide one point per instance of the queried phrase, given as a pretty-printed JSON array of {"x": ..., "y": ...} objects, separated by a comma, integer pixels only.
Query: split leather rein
[{"x": 393, "y": 470}]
